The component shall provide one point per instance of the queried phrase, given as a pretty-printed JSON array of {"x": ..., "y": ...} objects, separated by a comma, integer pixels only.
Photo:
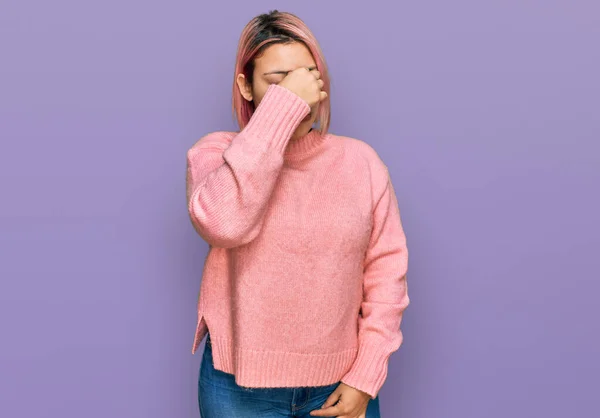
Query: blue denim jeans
[{"x": 219, "y": 396}]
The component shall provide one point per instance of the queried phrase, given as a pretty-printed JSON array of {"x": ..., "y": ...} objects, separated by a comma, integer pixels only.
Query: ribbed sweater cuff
[
  {"x": 276, "y": 118},
  {"x": 370, "y": 367}
]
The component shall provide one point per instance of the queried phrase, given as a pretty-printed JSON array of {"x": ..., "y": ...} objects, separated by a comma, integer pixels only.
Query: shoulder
[
  {"x": 215, "y": 141},
  {"x": 364, "y": 154},
  {"x": 366, "y": 162}
]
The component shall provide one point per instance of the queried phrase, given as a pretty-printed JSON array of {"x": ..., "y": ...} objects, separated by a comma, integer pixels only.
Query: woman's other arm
[{"x": 385, "y": 293}]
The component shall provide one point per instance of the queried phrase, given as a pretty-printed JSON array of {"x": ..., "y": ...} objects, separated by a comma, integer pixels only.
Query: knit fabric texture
[{"x": 304, "y": 283}]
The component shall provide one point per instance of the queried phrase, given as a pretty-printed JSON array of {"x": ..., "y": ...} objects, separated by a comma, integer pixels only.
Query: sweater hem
[{"x": 268, "y": 369}]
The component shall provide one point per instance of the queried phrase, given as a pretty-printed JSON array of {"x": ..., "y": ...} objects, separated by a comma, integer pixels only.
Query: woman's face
[{"x": 271, "y": 68}]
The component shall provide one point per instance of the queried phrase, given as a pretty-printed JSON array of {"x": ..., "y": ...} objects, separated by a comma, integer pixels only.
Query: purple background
[{"x": 487, "y": 114}]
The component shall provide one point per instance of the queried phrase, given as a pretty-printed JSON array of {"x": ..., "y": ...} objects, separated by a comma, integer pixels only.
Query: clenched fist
[{"x": 306, "y": 84}]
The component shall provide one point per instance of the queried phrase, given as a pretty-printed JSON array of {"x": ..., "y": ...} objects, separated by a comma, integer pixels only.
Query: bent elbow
[
  {"x": 223, "y": 237},
  {"x": 224, "y": 240}
]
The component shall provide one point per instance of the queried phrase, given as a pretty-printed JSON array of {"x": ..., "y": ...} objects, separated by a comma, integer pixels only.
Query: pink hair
[{"x": 259, "y": 33}]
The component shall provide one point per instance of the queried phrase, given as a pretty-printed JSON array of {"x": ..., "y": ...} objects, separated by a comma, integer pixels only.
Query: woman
[{"x": 304, "y": 284}]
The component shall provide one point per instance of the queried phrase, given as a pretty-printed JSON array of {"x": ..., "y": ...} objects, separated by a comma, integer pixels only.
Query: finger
[
  {"x": 320, "y": 83},
  {"x": 316, "y": 73},
  {"x": 323, "y": 95},
  {"x": 332, "y": 411},
  {"x": 331, "y": 400}
]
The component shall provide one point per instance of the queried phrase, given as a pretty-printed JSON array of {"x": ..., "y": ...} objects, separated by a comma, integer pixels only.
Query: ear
[{"x": 244, "y": 86}]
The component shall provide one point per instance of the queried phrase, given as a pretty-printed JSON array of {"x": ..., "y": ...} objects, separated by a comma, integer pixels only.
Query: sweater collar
[{"x": 304, "y": 145}]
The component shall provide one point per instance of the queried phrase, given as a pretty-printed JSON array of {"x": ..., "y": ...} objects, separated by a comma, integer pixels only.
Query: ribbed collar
[{"x": 305, "y": 145}]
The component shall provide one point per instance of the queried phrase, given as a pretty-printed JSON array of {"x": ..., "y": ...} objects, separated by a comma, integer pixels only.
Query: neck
[{"x": 304, "y": 144}]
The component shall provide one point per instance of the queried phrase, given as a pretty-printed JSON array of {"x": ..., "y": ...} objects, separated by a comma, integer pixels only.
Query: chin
[
  {"x": 303, "y": 129},
  {"x": 307, "y": 123}
]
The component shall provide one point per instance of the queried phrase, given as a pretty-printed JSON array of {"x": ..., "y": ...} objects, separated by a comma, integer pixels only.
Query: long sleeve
[
  {"x": 385, "y": 296},
  {"x": 229, "y": 186}
]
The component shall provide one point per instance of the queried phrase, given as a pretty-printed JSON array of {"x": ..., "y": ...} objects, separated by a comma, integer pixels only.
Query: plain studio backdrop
[{"x": 487, "y": 114}]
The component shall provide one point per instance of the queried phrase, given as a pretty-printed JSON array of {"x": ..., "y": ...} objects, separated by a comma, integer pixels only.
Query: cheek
[
  {"x": 257, "y": 99},
  {"x": 258, "y": 92}
]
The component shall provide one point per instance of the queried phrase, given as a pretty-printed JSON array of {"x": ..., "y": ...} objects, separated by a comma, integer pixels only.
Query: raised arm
[{"x": 229, "y": 185}]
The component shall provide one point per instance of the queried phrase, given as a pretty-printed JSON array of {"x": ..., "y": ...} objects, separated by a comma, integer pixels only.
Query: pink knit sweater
[{"x": 304, "y": 283}]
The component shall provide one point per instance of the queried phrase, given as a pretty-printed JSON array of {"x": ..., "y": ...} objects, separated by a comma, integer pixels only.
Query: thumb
[{"x": 331, "y": 400}]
